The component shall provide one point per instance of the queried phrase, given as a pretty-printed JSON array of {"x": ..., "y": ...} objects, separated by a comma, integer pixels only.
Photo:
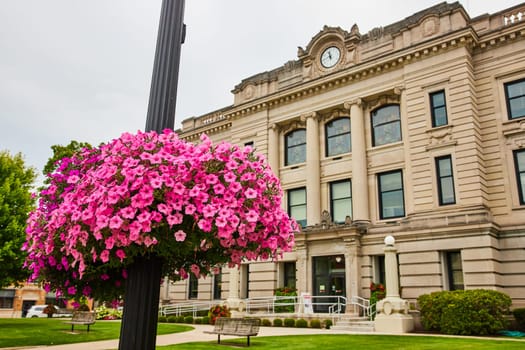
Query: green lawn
[
  {"x": 353, "y": 342},
  {"x": 43, "y": 331}
]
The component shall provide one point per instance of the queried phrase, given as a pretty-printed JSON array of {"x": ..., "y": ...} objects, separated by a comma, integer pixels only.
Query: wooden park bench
[
  {"x": 83, "y": 318},
  {"x": 236, "y": 326}
]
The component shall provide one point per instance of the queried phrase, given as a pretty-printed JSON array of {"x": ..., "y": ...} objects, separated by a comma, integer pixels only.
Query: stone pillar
[
  {"x": 352, "y": 275},
  {"x": 233, "y": 302},
  {"x": 361, "y": 215},
  {"x": 313, "y": 170},
  {"x": 302, "y": 273},
  {"x": 392, "y": 312},
  {"x": 273, "y": 148}
]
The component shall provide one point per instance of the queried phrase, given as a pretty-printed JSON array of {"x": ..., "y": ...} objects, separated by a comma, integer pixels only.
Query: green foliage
[
  {"x": 301, "y": 323},
  {"x": 266, "y": 322},
  {"x": 60, "y": 152},
  {"x": 197, "y": 320},
  {"x": 179, "y": 319},
  {"x": 289, "y": 322},
  {"x": 277, "y": 322},
  {"x": 377, "y": 292},
  {"x": 315, "y": 323},
  {"x": 106, "y": 313},
  {"x": 218, "y": 311},
  {"x": 519, "y": 315},
  {"x": 205, "y": 320},
  {"x": 161, "y": 319},
  {"x": 289, "y": 302},
  {"x": 172, "y": 319},
  {"x": 16, "y": 201},
  {"x": 470, "y": 312},
  {"x": 188, "y": 319},
  {"x": 328, "y": 323}
]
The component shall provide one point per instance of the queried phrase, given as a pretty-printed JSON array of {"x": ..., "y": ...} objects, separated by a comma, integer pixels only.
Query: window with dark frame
[
  {"x": 217, "y": 285},
  {"x": 454, "y": 270},
  {"x": 289, "y": 278},
  {"x": 438, "y": 108},
  {"x": 7, "y": 297},
  {"x": 340, "y": 200},
  {"x": 338, "y": 137},
  {"x": 386, "y": 125},
  {"x": 193, "y": 287},
  {"x": 515, "y": 98},
  {"x": 297, "y": 205},
  {"x": 445, "y": 180},
  {"x": 379, "y": 269},
  {"x": 391, "y": 197},
  {"x": 295, "y": 144},
  {"x": 519, "y": 164}
]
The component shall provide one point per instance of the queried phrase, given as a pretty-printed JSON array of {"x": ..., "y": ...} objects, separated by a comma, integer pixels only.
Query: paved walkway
[{"x": 194, "y": 335}]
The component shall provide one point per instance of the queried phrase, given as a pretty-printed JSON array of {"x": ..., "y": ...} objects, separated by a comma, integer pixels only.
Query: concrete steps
[{"x": 355, "y": 324}]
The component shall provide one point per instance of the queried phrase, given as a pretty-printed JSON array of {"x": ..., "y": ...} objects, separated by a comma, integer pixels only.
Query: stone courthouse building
[{"x": 415, "y": 129}]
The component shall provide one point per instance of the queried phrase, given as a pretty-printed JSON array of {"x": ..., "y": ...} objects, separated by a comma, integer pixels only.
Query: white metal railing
[
  {"x": 330, "y": 304},
  {"x": 185, "y": 308}
]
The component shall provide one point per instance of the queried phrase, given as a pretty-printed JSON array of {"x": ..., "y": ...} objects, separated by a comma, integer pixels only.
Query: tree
[
  {"x": 153, "y": 196},
  {"x": 16, "y": 201},
  {"x": 60, "y": 152}
]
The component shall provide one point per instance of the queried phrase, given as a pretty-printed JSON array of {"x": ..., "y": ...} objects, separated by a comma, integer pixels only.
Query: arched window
[
  {"x": 295, "y": 147},
  {"x": 386, "y": 125},
  {"x": 338, "y": 137}
]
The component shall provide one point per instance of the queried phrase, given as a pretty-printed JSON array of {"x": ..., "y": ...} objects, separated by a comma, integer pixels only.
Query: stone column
[
  {"x": 352, "y": 275},
  {"x": 361, "y": 215},
  {"x": 392, "y": 312},
  {"x": 302, "y": 273},
  {"x": 233, "y": 302},
  {"x": 313, "y": 170},
  {"x": 273, "y": 148}
]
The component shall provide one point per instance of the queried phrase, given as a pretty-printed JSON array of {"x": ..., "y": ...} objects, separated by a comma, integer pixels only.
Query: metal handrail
[{"x": 185, "y": 308}]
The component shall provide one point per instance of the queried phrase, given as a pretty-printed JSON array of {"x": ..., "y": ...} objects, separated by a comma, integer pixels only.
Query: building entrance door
[{"x": 328, "y": 281}]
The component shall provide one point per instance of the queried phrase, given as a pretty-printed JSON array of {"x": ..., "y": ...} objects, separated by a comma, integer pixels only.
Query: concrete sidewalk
[{"x": 185, "y": 337}]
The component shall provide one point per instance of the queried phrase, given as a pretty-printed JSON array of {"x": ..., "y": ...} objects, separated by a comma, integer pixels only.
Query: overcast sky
[{"x": 81, "y": 70}]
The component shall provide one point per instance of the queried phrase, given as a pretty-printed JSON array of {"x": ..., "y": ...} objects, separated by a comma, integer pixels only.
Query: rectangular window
[
  {"x": 519, "y": 161},
  {"x": 338, "y": 137},
  {"x": 295, "y": 144},
  {"x": 391, "y": 197},
  {"x": 245, "y": 281},
  {"x": 454, "y": 269},
  {"x": 289, "y": 274},
  {"x": 445, "y": 180},
  {"x": 515, "y": 98},
  {"x": 386, "y": 125},
  {"x": 249, "y": 143},
  {"x": 340, "y": 200},
  {"x": 193, "y": 287},
  {"x": 297, "y": 205},
  {"x": 438, "y": 108},
  {"x": 217, "y": 285},
  {"x": 379, "y": 269},
  {"x": 7, "y": 297}
]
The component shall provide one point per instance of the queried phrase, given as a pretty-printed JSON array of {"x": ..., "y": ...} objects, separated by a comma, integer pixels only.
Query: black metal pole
[{"x": 141, "y": 301}]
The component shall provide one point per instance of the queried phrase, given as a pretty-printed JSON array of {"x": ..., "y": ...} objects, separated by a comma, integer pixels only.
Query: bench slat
[{"x": 236, "y": 326}]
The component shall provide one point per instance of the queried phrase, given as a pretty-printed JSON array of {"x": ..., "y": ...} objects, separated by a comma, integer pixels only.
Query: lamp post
[{"x": 139, "y": 322}]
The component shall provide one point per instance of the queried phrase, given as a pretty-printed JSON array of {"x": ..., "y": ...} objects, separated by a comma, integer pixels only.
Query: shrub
[
  {"x": 163, "y": 319},
  {"x": 289, "y": 303},
  {"x": 188, "y": 319},
  {"x": 266, "y": 322},
  {"x": 198, "y": 320},
  {"x": 172, "y": 319},
  {"x": 471, "y": 312},
  {"x": 205, "y": 320},
  {"x": 328, "y": 323},
  {"x": 277, "y": 322},
  {"x": 179, "y": 319},
  {"x": 519, "y": 315},
  {"x": 289, "y": 322},
  {"x": 315, "y": 324},
  {"x": 218, "y": 311},
  {"x": 105, "y": 313},
  {"x": 301, "y": 323}
]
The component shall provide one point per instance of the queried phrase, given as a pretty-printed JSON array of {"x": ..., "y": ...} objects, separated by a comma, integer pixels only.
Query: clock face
[{"x": 330, "y": 57}]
